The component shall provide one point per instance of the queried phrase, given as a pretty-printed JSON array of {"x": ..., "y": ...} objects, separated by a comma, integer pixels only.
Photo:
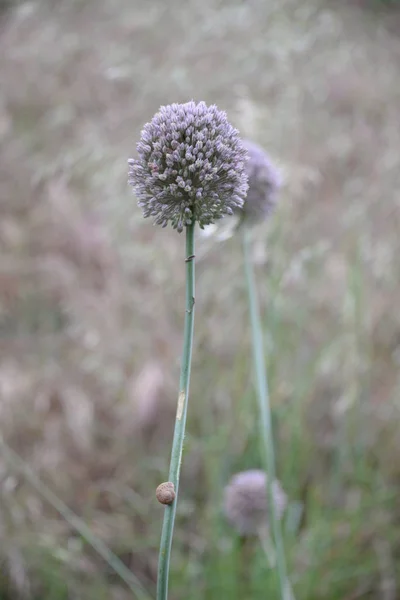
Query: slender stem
[
  {"x": 76, "y": 523},
  {"x": 265, "y": 414},
  {"x": 180, "y": 422}
]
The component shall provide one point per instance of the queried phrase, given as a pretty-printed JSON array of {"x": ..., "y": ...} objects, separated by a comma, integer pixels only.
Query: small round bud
[
  {"x": 165, "y": 493},
  {"x": 191, "y": 166},
  {"x": 246, "y": 501}
]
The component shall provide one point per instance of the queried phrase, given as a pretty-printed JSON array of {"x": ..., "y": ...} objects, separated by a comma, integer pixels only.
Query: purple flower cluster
[
  {"x": 191, "y": 166},
  {"x": 245, "y": 501},
  {"x": 264, "y": 184}
]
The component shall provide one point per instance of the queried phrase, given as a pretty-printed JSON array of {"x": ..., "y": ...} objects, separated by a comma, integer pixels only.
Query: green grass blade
[{"x": 76, "y": 523}]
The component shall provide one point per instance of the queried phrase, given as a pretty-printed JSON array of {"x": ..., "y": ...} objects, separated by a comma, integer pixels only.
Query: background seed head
[
  {"x": 191, "y": 166},
  {"x": 264, "y": 183},
  {"x": 245, "y": 501}
]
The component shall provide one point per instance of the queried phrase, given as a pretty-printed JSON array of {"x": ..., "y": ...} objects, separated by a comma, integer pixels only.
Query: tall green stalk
[
  {"x": 180, "y": 422},
  {"x": 265, "y": 414}
]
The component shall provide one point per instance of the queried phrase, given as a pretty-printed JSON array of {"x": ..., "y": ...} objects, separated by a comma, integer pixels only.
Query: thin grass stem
[
  {"x": 76, "y": 523},
  {"x": 265, "y": 414},
  {"x": 180, "y": 422}
]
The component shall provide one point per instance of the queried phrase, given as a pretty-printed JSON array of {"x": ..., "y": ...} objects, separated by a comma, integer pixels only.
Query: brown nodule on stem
[{"x": 165, "y": 493}]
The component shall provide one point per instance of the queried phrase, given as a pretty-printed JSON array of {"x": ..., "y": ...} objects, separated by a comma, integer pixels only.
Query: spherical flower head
[
  {"x": 191, "y": 166},
  {"x": 264, "y": 183},
  {"x": 246, "y": 504}
]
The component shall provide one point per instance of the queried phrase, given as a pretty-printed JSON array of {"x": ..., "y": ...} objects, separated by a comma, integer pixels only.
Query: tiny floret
[
  {"x": 246, "y": 504},
  {"x": 264, "y": 184},
  {"x": 191, "y": 166}
]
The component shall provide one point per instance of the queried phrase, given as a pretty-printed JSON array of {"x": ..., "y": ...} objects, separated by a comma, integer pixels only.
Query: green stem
[
  {"x": 265, "y": 414},
  {"x": 180, "y": 422}
]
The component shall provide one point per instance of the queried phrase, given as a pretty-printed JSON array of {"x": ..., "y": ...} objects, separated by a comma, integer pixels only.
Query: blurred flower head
[
  {"x": 245, "y": 501},
  {"x": 264, "y": 183},
  {"x": 191, "y": 166}
]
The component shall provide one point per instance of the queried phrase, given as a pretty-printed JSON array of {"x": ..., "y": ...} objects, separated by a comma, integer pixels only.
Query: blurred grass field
[{"x": 92, "y": 298}]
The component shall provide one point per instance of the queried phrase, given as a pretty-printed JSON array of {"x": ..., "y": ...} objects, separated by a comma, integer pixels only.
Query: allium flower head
[
  {"x": 191, "y": 166},
  {"x": 264, "y": 183},
  {"x": 245, "y": 501}
]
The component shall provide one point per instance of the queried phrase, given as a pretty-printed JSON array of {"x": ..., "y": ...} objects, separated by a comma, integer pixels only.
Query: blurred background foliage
[{"x": 92, "y": 296}]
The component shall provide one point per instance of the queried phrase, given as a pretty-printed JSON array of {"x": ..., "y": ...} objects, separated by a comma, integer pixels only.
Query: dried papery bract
[
  {"x": 190, "y": 169},
  {"x": 264, "y": 184},
  {"x": 190, "y": 166}
]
